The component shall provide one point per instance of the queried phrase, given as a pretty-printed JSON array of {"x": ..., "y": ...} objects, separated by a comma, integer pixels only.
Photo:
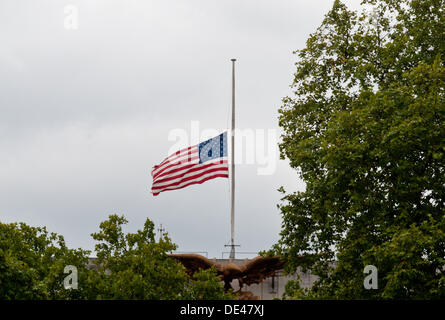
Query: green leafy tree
[
  {"x": 32, "y": 263},
  {"x": 128, "y": 266},
  {"x": 207, "y": 286},
  {"x": 365, "y": 130},
  {"x": 135, "y": 266}
]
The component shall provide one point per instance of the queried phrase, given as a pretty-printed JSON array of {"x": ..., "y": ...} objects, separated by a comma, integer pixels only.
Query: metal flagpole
[{"x": 232, "y": 209}]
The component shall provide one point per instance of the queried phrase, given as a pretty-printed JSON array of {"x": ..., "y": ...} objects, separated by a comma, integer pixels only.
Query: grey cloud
[{"x": 85, "y": 114}]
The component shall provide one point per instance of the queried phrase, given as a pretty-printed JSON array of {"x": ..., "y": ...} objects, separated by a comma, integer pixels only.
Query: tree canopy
[
  {"x": 32, "y": 263},
  {"x": 128, "y": 266},
  {"x": 364, "y": 128},
  {"x": 135, "y": 266}
]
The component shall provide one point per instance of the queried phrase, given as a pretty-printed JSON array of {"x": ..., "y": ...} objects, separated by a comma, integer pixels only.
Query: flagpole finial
[{"x": 233, "y": 59}]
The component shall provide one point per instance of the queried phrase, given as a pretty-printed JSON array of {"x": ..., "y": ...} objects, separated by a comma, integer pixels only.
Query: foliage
[
  {"x": 207, "y": 286},
  {"x": 365, "y": 132},
  {"x": 128, "y": 266},
  {"x": 135, "y": 266},
  {"x": 32, "y": 263}
]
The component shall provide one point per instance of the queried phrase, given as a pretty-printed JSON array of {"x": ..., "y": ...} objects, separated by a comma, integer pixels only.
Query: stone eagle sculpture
[{"x": 254, "y": 271}]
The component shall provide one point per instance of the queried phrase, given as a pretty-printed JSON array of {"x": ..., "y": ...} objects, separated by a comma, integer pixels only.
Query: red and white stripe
[{"x": 183, "y": 169}]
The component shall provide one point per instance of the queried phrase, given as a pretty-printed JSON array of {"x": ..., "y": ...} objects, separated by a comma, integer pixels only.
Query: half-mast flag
[{"x": 193, "y": 165}]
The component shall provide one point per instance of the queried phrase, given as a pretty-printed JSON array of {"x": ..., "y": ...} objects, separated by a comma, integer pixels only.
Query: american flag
[{"x": 193, "y": 165}]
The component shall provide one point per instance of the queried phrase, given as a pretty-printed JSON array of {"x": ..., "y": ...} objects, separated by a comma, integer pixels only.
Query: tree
[
  {"x": 128, "y": 266},
  {"x": 365, "y": 132},
  {"x": 135, "y": 266},
  {"x": 207, "y": 286},
  {"x": 32, "y": 263}
]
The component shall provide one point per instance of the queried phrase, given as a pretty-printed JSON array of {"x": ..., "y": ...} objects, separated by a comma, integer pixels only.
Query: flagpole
[{"x": 232, "y": 195}]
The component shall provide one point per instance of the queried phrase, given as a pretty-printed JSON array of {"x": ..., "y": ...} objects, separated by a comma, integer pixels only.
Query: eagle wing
[
  {"x": 195, "y": 262},
  {"x": 260, "y": 268}
]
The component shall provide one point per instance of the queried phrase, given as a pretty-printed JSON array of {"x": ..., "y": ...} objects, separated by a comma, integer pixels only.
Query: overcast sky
[{"x": 85, "y": 113}]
